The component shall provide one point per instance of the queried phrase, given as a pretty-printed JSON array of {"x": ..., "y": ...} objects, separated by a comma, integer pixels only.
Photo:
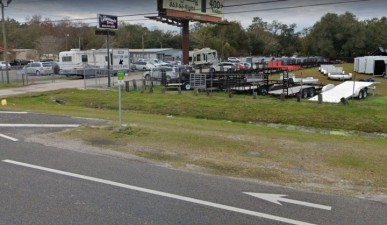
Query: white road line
[
  {"x": 164, "y": 194},
  {"x": 8, "y": 137},
  {"x": 9, "y": 112},
  {"x": 40, "y": 125}
]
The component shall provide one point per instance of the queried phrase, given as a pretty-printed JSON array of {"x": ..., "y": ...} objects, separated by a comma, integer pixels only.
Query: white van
[{"x": 39, "y": 68}]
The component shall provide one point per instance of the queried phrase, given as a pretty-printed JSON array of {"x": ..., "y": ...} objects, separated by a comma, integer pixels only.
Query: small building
[
  {"x": 25, "y": 54},
  {"x": 164, "y": 54}
]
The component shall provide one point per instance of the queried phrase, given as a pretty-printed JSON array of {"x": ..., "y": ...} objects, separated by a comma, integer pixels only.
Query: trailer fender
[{"x": 327, "y": 87}]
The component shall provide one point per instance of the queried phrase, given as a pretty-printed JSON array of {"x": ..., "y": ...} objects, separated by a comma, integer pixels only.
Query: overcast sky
[{"x": 305, "y": 16}]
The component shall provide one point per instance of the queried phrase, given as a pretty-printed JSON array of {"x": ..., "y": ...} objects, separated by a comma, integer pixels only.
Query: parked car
[
  {"x": 176, "y": 74},
  {"x": 3, "y": 65},
  {"x": 55, "y": 66},
  {"x": 233, "y": 59},
  {"x": 19, "y": 62},
  {"x": 39, "y": 68},
  {"x": 143, "y": 65},
  {"x": 223, "y": 67}
]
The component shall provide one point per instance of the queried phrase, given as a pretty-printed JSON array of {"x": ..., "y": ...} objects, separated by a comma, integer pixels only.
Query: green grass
[{"x": 365, "y": 116}]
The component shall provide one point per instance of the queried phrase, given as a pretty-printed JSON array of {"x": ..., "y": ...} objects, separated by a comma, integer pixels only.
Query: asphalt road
[{"x": 46, "y": 185}]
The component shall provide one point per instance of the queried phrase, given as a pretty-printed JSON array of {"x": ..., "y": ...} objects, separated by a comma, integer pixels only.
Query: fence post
[
  {"x": 134, "y": 85},
  {"x": 320, "y": 99},
  {"x": 127, "y": 86},
  {"x": 143, "y": 86},
  {"x": 151, "y": 87}
]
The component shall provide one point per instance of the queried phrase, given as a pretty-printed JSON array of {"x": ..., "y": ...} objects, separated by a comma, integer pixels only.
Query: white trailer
[
  {"x": 333, "y": 70},
  {"x": 374, "y": 65},
  {"x": 75, "y": 58},
  {"x": 345, "y": 90}
]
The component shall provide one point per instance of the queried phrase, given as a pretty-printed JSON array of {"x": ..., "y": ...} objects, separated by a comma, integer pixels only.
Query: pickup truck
[{"x": 177, "y": 74}]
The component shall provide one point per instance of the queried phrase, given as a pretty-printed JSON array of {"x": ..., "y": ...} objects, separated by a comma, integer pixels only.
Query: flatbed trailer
[
  {"x": 305, "y": 91},
  {"x": 345, "y": 90}
]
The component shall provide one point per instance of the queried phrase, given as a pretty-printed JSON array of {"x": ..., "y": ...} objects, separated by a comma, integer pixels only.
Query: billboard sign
[
  {"x": 107, "y": 22},
  {"x": 204, "y": 7}
]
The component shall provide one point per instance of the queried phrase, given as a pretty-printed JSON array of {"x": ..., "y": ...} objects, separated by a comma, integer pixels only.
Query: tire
[
  {"x": 365, "y": 93},
  {"x": 229, "y": 71},
  {"x": 147, "y": 77},
  {"x": 304, "y": 93},
  {"x": 361, "y": 94},
  {"x": 168, "y": 78},
  {"x": 212, "y": 70},
  {"x": 37, "y": 73},
  {"x": 186, "y": 86},
  {"x": 311, "y": 92}
]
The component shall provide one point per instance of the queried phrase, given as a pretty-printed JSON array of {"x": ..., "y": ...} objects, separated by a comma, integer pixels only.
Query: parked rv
[
  {"x": 98, "y": 58},
  {"x": 205, "y": 56}
]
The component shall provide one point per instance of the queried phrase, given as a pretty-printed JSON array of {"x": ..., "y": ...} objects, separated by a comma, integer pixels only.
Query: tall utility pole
[{"x": 5, "y": 53}]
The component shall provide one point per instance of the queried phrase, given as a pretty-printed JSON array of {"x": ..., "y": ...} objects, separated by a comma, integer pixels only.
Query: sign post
[
  {"x": 121, "y": 82},
  {"x": 107, "y": 23}
]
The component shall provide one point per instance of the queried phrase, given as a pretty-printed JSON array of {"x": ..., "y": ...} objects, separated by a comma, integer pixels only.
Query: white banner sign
[{"x": 205, "y": 7}]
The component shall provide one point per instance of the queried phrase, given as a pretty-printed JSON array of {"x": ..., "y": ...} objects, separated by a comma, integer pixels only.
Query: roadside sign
[
  {"x": 120, "y": 77},
  {"x": 109, "y": 22},
  {"x": 120, "y": 59}
]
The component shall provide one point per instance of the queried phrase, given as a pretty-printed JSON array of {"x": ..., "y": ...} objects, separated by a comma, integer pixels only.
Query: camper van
[
  {"x": 204, "y": 56},
  {"x": 97, "y": 58}
]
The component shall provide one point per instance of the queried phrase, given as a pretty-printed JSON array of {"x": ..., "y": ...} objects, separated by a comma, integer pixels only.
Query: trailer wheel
[
  {"x": 361, "y": 94},
  {"x": 304, "y": 93},
  {"x": 365, "y": 94},
  {"x": 311, "y": 92},
  {"x": 212, "y": 70},
  {"x": 147, "y": 77},
  {"x": 187, "y": 86}
]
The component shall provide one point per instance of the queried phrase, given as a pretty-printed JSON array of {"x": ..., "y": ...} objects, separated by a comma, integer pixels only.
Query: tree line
[{"x": 333, "y": 36}]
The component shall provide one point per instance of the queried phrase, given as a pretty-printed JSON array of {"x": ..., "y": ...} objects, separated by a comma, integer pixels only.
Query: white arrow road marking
[
  {"x": 40, "y": 125},
  {"x": 164, "y": 194},
  {"x": 275, "y": 198},
  {"x": 8, "y": 137}
]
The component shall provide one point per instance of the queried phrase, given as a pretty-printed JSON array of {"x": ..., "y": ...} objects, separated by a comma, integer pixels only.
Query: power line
[{"x": 299, "y": 6}]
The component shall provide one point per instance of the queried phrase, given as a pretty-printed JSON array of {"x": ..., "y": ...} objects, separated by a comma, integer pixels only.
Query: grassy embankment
[{"x": 219, "y": 135}]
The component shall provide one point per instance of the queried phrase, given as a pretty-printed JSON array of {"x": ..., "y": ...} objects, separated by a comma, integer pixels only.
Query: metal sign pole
[
  {"x": 119, "y": 107},
  {"x": 108, "y": 57},
  {"x": 120, "y": 78}
]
